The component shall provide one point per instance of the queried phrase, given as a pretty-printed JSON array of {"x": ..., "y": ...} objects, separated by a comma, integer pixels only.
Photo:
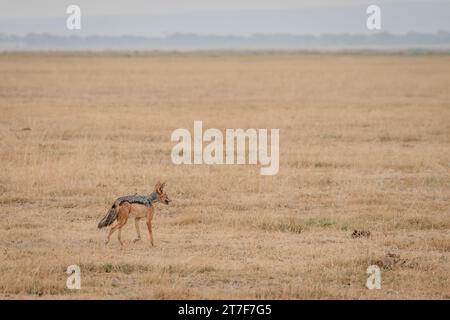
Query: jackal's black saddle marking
[{"x": 144, "y": 200}]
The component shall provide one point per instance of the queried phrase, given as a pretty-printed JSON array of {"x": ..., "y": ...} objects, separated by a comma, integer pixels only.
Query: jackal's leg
[
  {"x": 122, "y": 218},
  {"x": 119, "y": 235},
  {"x": 149, "y": 223},
  {"x": 122, "y": 222},
  {"x": 136, "y": 224},
  {"x": 149, "y": 226},
  {"x": 111, "y": 231}
]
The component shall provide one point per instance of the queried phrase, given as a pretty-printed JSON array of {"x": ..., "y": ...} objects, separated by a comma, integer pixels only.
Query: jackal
[{"x": 138, "y": 207}]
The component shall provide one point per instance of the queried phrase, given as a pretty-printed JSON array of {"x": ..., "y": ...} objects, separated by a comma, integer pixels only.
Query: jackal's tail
[{"x": 109, "y": 218}]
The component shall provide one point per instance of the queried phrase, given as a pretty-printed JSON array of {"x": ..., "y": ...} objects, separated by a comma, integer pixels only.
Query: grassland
[{"x": 364, "y": 144}]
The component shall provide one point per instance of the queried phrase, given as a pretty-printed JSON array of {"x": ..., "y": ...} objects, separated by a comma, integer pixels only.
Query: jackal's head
[{"x": 162, "y": 195}]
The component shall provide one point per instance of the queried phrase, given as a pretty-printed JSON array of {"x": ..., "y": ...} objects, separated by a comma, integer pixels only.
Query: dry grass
[{"x": 364, "y": 144}]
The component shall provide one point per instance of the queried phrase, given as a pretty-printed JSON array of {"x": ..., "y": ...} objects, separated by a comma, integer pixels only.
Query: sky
[
  {"x": 236, "y": 17},
  {"x": 11, "y": 9}
]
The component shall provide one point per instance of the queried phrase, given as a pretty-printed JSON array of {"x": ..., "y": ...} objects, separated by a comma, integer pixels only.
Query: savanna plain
[{"x": 364, "y": 145}]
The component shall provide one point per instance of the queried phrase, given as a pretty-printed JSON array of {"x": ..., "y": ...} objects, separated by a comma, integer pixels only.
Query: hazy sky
[
  {"x": 236, "y": 17},
  {"x": 12, "y": 9}
]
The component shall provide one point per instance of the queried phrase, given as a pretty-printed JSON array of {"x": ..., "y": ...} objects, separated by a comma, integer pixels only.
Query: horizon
[{"x": 437, "y": 42}]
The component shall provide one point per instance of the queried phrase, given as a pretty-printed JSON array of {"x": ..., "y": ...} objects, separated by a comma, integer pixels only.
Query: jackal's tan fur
[{"x": 138, "y": 211}]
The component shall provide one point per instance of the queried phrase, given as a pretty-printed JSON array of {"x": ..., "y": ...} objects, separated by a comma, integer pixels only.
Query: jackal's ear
[
  {"x": 158, "y": 186},
  {"x": 162, "y": 186}
]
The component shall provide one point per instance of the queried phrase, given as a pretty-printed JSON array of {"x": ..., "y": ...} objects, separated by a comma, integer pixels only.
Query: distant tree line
[{"x": 33, "y": 41}]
